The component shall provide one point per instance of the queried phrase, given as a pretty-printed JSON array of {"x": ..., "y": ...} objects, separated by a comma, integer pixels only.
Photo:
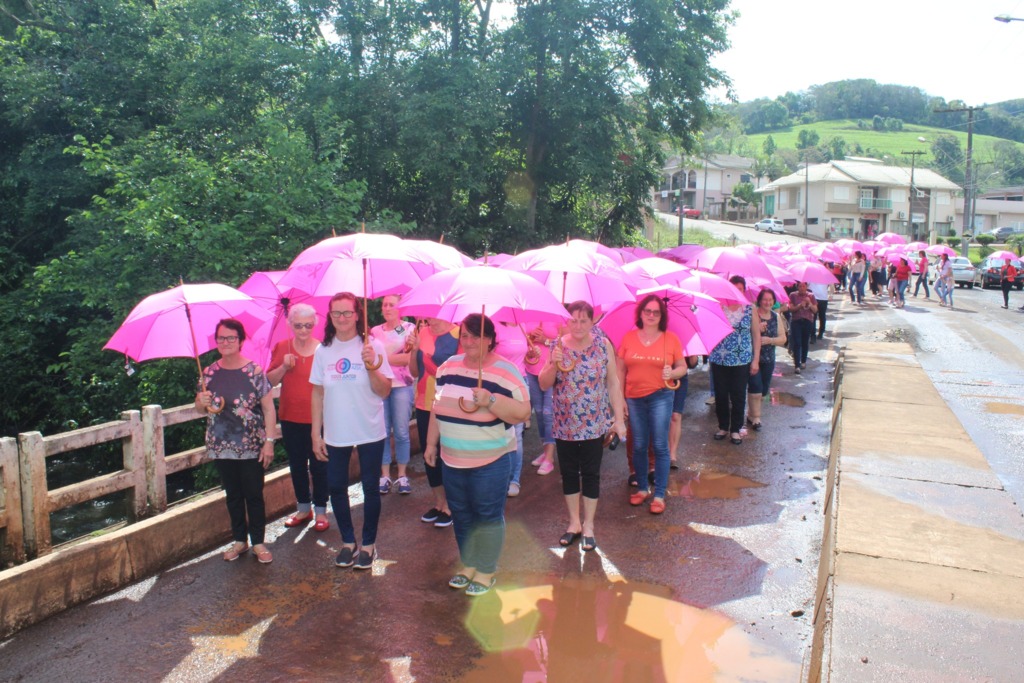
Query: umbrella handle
[
  {"x": 672, "y": 384},
  {"x": 532, "y": 352},
  {"x": 216, "y": 405},
  {"x": 567, "y": 364},
  {"x": 472, "y": 406},
  {"x": 376, "y": 364}
]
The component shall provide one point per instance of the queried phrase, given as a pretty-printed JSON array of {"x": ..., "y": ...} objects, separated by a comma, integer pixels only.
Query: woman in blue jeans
[
  {"x": 348, "y": 411},
  {"x": 858, "y": 275},
  {"x": 398, "y": 338},
  {"x": 802, "y": 307},
  {"x": 480, "y": 398},
  {"x": 773, "y": 333}
]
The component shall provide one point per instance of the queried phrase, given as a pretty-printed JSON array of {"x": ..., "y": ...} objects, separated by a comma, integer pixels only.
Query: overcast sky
[{"x": 948, "y": 48}]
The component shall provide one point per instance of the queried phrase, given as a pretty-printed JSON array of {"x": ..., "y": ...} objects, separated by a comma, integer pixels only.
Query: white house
[
  {"x": 860, "y": 198},
  {"x": 704, "y": 184}
]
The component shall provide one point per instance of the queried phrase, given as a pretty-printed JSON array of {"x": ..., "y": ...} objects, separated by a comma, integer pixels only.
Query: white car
[{"x": 769, "y": 225}]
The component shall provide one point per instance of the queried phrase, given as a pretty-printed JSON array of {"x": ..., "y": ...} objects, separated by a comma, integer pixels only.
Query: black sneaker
[
  {"x": 443, "y": 520},
  {"x": 365, "y": 560},
  {"x": 430, "y": 516},
  {"x": 346, "y": 558}
]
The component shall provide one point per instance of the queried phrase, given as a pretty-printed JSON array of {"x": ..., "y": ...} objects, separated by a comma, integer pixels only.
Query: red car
[{"x": 689, "y": 212}]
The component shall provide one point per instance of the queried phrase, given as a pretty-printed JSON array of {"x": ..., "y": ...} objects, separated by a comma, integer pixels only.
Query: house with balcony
[
  {"x": 859, "y": 198},
  {"x": 705, "y": 184}
]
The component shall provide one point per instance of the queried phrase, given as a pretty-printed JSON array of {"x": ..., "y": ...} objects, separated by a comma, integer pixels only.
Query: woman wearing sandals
[
  {"x": 649, "y": 359},
  {"x": 480, "y": 398},
  {"x": 290, "y": 363},
  {"x": 587, "y": 402},
  {"x": 773, "y": 333},
  {"x": 733, "y": 361},
  {"x": 350, "y": 378},
  {"x": 239, "y": 437}
]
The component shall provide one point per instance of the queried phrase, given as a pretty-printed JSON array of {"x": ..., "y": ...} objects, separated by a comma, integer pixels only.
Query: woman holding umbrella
[
  {"x": 290, "y": 363},
  {"x": 802, "y": 308},
  {"x": 733, "y": 361},
  {"x": 475, "y": 448},
  {"x": 398, "y": 337},
  {"x": 587, "y": 403},
  {"x": 349, "y": 389},
  {"x": 650, "y": 359},
  {"x": 240, "y": 436},
  {"x": 773, "y": 333},
  {"x": 944, "y": 281}
]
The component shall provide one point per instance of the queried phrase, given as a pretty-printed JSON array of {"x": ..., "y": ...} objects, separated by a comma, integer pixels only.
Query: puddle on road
[
  {"x": 1004, "y": 408},
  {"x": 784, "y": 398},
  {"x": 589, "y": 629},
  {"x": 706, "y": 485}
]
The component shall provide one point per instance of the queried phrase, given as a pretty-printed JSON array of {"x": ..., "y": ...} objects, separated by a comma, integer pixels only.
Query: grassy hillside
[{"x": 877, "y": 142}]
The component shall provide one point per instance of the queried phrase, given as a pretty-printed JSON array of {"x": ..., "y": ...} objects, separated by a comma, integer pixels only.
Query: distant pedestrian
[
  {"x": 1007, "y": 280},
  {"x": 858, "y": 274},
  {"x": 922, "y": 275},
  {"x": 944, "y": 279},
  {"x": 398, "y": 337},
  {"x": 902, "y": 281},
  {"x": 821, "y": 294}
]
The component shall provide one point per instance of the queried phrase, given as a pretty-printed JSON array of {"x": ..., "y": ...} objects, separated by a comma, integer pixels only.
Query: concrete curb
[
  {"x": 35, "y": 590},
  {"x": 921, "y": 575}
]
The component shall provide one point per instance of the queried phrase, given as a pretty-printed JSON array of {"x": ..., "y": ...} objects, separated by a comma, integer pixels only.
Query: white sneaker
[{"x": 513, "y": 490}]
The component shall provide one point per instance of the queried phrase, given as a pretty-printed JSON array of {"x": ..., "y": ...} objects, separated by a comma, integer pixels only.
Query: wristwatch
[
  {"x": 269, "y": 440},
  {"x": 493, "y": 399}
]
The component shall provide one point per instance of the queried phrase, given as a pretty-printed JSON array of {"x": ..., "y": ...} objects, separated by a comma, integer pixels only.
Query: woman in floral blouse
[
  {"x": 240, "y": 437},
  {"x": 733, "y": 361},
  {"x": 587, "y": 402}
]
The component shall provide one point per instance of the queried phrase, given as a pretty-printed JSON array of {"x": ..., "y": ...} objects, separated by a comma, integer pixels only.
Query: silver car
[
  {"x": 769, "y": 225},
  {"x": 963, "y": 271}
]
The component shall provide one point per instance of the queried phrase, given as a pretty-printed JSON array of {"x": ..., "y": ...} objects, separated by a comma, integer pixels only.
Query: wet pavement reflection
[
  {"x": 706, "y": 485},
  {"x": 784, "y": 398}
]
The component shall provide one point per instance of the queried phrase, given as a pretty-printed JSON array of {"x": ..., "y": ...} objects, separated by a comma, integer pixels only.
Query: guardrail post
[
  {"x": 13, "y": 546},
  {"x": 35, "y": 503},
  {"x": 156, "y": 463},
  {"x": 135, "y": 462}
]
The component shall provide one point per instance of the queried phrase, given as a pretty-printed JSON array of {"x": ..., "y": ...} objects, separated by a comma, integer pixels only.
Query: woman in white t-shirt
[{"x": 348, "y": 411}]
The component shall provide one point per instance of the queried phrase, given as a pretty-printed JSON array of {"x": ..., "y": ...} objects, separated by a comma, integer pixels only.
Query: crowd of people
[{"x": 471, "y": 387}]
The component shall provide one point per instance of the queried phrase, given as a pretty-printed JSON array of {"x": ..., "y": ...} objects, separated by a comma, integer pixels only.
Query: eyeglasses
[
  {"x": 342, "y": 314},
  {"x": 656, "y": 312},
  {"x": 302, "y": 326},
  {"x": 227, "y": 340}
]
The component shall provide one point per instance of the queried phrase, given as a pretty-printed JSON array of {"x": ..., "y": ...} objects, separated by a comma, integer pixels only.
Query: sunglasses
[
  {"x": 302, "y": 326},
  {"x": 648, "y": 311}
]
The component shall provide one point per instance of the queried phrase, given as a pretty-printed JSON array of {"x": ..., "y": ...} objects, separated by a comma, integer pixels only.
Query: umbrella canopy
[
  {"x": 181, "y": 322},
  {"x": 813, "y": 273},
  {"x": 916, "y": 246},
  {"x": 891, "y": 238},
  {"x": 729, "y": 261},
  {"x": 654, "y": 271},
  {"x": 492, "y": 259},
  {"x": 695, "y": 318},
  {"x": 503, "y": 295},
  {"x": 572, "y": 273},
  {"x": 940, "y": 249},
  {"x": 365, "y": 264},
  {"x": 265, "y": 288},
  {"x": 826, "y": 252},
  {"x": 684, "y": 253},
  {"x": 1003, "y": 255},
  {"x": 436, "y": 257},
  {"x": 850, "y": 246},
  {"x": 715, "y": 286},
  {"x": 631, "y": 254}
]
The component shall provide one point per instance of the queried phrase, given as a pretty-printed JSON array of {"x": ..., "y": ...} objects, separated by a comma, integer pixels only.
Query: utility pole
[
  {"x": 968, "y": 189},
  {"x": 910, "y": 200},
  {"x": 807, "y": 190},
  {"x": 679, "y": 206}
]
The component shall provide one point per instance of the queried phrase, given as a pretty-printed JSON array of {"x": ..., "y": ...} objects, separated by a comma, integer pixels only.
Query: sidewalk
[{"x": 922, "y": 568}]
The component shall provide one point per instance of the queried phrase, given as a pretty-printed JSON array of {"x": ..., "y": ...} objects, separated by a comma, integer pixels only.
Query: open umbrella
[
  {"x": 940, "y": 249},
  {"x": 503, "y": 295},
  {"x": 684, "y": 253},
  {"x": 891, "y": 238},
  {"x": 574, "y": 272},
  {"x": 265, "y": 288},
  {"x": 1003, "y": 255},
  {"x": 163, "y": 324},
  {"x": 715, "y": 286},
  {"x": 654, "y": 271},
  {"x": 813, "y": 273},
  {"x": 728, "y": 261},
  {"x": 697, "y": 319}
]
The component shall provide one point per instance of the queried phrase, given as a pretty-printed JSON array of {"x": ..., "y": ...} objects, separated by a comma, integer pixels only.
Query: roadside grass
[{"x": 666, "y": 236}]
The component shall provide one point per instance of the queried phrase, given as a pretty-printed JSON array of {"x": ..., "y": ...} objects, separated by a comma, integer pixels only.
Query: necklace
[{"x": 648, "y": 341}]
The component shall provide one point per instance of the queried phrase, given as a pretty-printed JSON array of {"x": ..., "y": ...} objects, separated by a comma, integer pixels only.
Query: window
[
  {"x": 942, "y": 198},
  {"x": 746, "y": 178}
]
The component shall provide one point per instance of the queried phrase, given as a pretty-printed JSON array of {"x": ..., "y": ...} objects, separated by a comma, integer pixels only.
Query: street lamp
[{"x": 1006, "y": 18}]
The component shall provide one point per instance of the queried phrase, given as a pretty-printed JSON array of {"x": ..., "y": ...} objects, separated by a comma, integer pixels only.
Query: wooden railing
[{"x": 26, "y": 503}]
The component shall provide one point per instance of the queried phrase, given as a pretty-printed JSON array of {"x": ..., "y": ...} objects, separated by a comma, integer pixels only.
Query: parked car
[
  {"x": 988, "y": 273},
  {"x": 769, "y": 225},
  {"x": 1003, "y": 234},
  {"x": 689, "y": 212},
  {"x": 963, "y": 271}
]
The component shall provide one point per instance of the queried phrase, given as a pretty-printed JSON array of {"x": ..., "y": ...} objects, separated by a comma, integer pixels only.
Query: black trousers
[
  {"x": 730, "y": 395},
  {"x": 822, "y": 313},
  {"x": 580, "y": 461},
  {"x": 243, "y": 487},
  {"x": 1006, "y": 285}
]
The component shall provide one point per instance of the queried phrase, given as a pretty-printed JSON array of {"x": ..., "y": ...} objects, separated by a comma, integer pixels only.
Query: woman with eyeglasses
[
  {"x": 240, "y": 429},
  {"x": 290, "y": 363},
  {"x": 350, "y": 378},
  {"x": 398, "y": 337},
  {"x": 650, "y": 359}
]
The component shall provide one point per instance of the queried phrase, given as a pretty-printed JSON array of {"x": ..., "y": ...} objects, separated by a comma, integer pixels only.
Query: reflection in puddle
[
  {"x": 706, "y": 485},
  {"x": 784, "y": 398},
  {"x": 590, "y": 629},
  {"x": 1004, "y": 408}
]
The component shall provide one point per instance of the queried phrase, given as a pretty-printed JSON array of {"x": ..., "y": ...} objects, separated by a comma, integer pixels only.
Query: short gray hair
[{"x": 301, "y": 311}]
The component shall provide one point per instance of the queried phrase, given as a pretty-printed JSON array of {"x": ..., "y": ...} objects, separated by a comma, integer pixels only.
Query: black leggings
[
  {"x": 731, "y": 394},
  {"x": 243, "y": 491},
  {"x": 1006, "y": 285},
  {"x": 580, "y": 460}
]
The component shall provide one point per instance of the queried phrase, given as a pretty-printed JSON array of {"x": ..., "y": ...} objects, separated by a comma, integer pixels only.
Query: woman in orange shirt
[
  {"x": 290, "y": 364},
  {"x": 649, "y": 359}
]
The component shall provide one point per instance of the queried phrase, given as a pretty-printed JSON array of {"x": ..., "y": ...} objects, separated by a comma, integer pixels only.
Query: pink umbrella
[
  {"x": 492, "y": 259},
  {"x": 756, "y": 284},
  {"x": 712, "y": 285},
  {"x": 781, "y": 274},
  {"x": 891, "y": 238},
  {"x": 695, "y": 318},
  {"x": 597, "y": 248},
  {"x": 731, "y": 261},
  {"x": 684, "y": 253},
  {"x": 631, "y": 254},
  {"x": 940, "y": 249},
  {"x": 265, "y": 288},
  {"x": 163, "y": 324},
  {"x": 813, "y": 273},
  {"x": 1003, "y": 255},
  {"x": 654, "y": 271},
  {"x": 365, "y": 264},
  {"x": 436, "y": 257},
  {"x": 850, "y": 246},
  {"x": 572, "y": 273},
  {"x": 827, "y": 252}
]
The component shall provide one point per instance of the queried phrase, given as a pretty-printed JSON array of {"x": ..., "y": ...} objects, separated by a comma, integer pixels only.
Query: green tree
[
  {"x": 769, "y": 146},
  {"x": 745, "y": 191},
  {"x": 807, "y": 138},
  {"x": 949, "y": 157}
]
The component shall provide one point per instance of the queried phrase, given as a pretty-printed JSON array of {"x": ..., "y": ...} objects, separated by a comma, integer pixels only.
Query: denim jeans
[
  {"x": 476, "y": 496},
  {"x": 397, "y": 413},
  {"x": 516, "y": 456},
  {"x": 370, "y": 455},
  {"x": 800, "y": 332},
  {"x": 761, "y": 382},
  {"x": 298, "y": 443},
  {"x": 922, "y": 279},
  {"x": 860, "y": 290},
  {"x": 856, "y": 288},
  {"x": 944, "y": 291},
  {"x": 541, "y": 402},
  {"x": 901, "y": 290},
  {"x": 649, "y": 419}
]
